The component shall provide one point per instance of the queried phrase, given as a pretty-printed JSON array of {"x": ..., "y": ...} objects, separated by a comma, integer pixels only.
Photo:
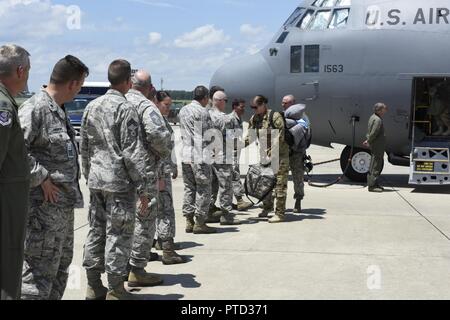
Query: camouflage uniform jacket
[
  {"x": 222, "y": 123},
  {"x": 156, "y": 136},
  {"x": 236, "y": 125},
  {"x": 169, "y": 163},
  {"x": 112, "y": 150},
  {"x": 195, "y": 121},
  {"x": 262, "y": 122},
  {"x": 52, "y": 150}
]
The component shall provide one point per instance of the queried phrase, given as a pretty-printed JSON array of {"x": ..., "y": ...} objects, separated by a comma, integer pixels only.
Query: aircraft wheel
[{"x": 360, "y": 164}]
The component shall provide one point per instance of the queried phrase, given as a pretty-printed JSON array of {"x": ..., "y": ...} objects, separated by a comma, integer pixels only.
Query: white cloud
[
  {"x": 250, "y": 31},
  {"x": 154, "y": 38},
  {"x": 202, "y": 37},
  {"x": 32, "y": 19}
]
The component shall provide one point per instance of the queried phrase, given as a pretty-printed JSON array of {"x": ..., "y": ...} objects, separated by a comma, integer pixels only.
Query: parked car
[
  {"x": 174, "y": 113},
  {"x": 75, "y": 109}
]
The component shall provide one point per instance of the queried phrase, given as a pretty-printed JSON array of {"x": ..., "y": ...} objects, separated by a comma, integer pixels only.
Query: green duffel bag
[{"x": 259, "y": 182}]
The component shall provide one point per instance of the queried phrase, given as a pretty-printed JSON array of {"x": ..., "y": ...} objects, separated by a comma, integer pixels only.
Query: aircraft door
[{"x": 310, "y": 91}]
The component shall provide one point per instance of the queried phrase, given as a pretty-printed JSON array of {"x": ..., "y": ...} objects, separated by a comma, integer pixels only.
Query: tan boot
[
  {"x": 170, "y": 257},
  {"x": 140, "y": 278},
  {"x": 277, "y": 219},
  {"x": 202, "y": 228},
  {"x": 243, "y": 205},
  {"x": 120, "y": 294},
  {"x": 190, "y": 224}
]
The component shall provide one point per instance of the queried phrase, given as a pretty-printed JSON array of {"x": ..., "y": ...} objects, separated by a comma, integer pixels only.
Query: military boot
[
  {"x": 159, "y": 246},
  {"x": 277, "y": 219},
  {"x": 200, "y": 227},
  {"x": 190, "y": 224},
  {"x": 376, "y": 189},
  {"x": 228, "y": 219},
  {"x": 243, "y": 205},
  {"x": 213, "y": 218},
  {"x": 140, "y": 278},
  {"x": 95, "y": 289},
  {"x": 117, "y": 289},
  {"x": 169, "y": 255},
  {"x": 214, "y": 210},
  {"x": 119, "y": 293},
  {"x": 298, "y": 206},
  {"x": 265, "y": 213}
]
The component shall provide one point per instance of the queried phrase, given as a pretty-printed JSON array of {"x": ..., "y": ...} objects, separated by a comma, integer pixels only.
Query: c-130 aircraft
[{"x": 340, "y": 57}]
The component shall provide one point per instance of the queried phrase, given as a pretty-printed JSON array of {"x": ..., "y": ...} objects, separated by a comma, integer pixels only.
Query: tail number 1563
[{"x": 333, "y": 68}]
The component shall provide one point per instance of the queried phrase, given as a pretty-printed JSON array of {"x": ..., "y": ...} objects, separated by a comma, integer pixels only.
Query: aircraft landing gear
[{"x": 360, "y": 164}]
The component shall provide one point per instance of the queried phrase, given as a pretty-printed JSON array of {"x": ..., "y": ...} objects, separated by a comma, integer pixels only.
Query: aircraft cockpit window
[
  {"x": 344, "y": 3},
  {"x": 296, "y": 59},
  {"x": 321, "y": 20},
  {"x": 318, "y": 3},
  {"x": 304, "y": 22},
  {"x": 312, "y": 58},
  {"x": 282, "y": 37},
  {"x": 294, "y": 17},
  {"x": 326, "y": 3},
  {"x": 340, "y": 18}
]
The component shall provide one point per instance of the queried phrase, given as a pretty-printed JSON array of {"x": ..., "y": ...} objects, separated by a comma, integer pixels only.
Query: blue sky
[{"x": 183, "y": 42}]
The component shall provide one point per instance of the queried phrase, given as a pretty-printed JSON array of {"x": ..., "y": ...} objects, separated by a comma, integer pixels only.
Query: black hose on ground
[{"x": 315, "y": 185}]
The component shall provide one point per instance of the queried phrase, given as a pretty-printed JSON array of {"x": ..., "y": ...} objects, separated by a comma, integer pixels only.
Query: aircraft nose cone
[{"x": 246, "y": 77}]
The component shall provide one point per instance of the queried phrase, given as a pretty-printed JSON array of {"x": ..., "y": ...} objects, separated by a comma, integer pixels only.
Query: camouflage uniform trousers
[
  {"x": 197, "y": 190},
  {"x": 165, "y": 222},
  {"x": 159, "y": 221},
  {"x": 298, "y": 174},
  {"x": 280, "y": 191},
  {"x": 222, "y": 186},
  {"x": 238, "y": 187},
  {"x": 111, "y": 230},
  {"x": 144, "y": 233},
  {"x": 48, "y": 252}
]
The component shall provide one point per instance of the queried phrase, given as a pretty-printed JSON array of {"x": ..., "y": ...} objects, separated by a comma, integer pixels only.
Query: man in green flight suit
[
  {"x": 14, "y": 171},
  {"x": 376, "y": 141}
]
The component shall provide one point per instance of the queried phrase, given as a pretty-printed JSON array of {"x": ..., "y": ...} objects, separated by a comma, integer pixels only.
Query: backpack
[
  {"x": 259, "y": 182},
  {"x": 304, "y": 144}
]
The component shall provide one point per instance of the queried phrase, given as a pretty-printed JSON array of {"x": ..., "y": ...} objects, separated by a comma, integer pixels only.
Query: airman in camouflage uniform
[
  {"x": 156, "y": 142},
  {"x": 296, "y": 162},
  {"x": 115, "y": 166},
  {"x": 222, "y": 169},
  {"x": 50, "y": 140},
  {"x": 238, "y": 131},
  {"x": 166, "y": 218},
  {"x": 262, "y": 124},
  {"x": 14, "y": 171},
  {"x": 195, "y": 121}
]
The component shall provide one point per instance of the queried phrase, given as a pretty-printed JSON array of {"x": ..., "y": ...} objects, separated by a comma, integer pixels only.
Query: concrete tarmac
[{"x": 347, "y": 244}]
